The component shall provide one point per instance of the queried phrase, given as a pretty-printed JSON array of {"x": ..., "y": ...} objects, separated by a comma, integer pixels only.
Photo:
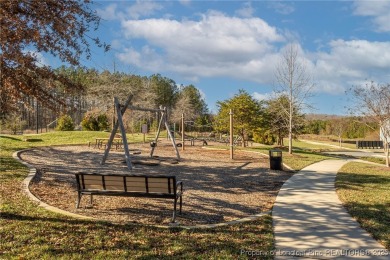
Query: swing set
[{"x": 120, "y": 110}]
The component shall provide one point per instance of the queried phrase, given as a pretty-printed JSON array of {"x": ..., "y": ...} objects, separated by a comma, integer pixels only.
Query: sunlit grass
[
  {"x": 365, "y": 191},
  {"x": 299, "y": 159},
  {"x": 299, "y": 144},
  {"x": 343, "y": 145},
  {"x": 374, "y": 159},
  {"x": 326, "y": 140}
]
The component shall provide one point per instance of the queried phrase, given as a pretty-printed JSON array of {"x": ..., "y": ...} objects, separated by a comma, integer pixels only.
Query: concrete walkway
[{"x": 310, "y": 221}]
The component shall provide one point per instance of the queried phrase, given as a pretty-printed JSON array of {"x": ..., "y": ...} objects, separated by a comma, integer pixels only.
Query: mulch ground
[{"x": 216, "y": 189}]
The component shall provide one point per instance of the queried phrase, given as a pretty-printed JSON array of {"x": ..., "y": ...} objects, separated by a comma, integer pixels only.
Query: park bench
[
  {"x": 369, "y": 144},
  {"x": 131, "y": 185}
]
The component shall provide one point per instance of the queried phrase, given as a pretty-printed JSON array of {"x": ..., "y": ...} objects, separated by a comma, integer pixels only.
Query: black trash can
[{"x": 275, "y": 159}]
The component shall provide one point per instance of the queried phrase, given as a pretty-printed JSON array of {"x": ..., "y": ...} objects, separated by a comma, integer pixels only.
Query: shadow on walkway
[{"x": 310, "y": 221}]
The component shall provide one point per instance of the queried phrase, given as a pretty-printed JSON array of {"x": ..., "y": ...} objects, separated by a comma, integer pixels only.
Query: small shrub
[
  {"x": 102, "y": 120},
  {"x": 95, "y": 122},
  {"x": 89, "y": 123},
  {"x": 65, "y": 123},
  {"x": 14, "y": 123},
  {"x": 265, "y": 137}
]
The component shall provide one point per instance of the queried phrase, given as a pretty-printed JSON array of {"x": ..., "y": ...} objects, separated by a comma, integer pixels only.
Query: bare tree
[
  {"x": 278, "y": 121},
  {"x": 183, "y": 106},
  {"x": 338, "y": 130},
  {"x": 373, "y": 102},
  {"x": 190, "y": 102},
  {"x": 294, "y": 82}
]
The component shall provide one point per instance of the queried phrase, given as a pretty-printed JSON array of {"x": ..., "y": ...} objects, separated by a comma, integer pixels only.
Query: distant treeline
[
  {"x": 92, "y": 109},
  {"x": 344, "y": 127},
  {"x": 96, "y": 99}
]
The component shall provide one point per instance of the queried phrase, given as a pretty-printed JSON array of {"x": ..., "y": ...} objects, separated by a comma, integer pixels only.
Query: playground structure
[{"x": 120, "y": 110}]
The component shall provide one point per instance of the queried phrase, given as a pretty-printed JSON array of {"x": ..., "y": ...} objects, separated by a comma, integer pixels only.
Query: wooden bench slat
[
  {"x": 113, "y": 178},
  {"x": 92, "y": 177},
  {"x": 159, "y": 180},
  {"x": 130, "y": 186},
  {"x": 93, "y": 182},
  {"x": 93, "y": 186},
  {"x": 115, "y": 187},
  {"x": 135, "y": 179},
  {"x": 114, "y": 182},
  {"x": 135, "y": 182},
  {"x": 135, "y": 188}
]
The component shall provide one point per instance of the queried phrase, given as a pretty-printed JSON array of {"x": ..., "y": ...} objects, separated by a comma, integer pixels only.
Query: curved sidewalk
[{"x": 310, "y": 221}]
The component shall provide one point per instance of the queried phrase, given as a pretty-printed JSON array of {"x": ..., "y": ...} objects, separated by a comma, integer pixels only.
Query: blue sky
[{"x": 223, "y": 46}]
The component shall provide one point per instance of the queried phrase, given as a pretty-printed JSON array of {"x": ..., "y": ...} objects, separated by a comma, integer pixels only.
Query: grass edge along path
[
  {"x": 364, "y": 190},
  {"x": 31, "y": 232},
  {"x": 298, "y": 160}
]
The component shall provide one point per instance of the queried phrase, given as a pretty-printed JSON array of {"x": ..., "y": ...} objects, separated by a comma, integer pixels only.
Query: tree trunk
[
  {"x": 386, "y": 150},
  {"x": 290, "y": 130},
  {"x": 291, "y": 113},
  {"x": 280, "y": 138}
]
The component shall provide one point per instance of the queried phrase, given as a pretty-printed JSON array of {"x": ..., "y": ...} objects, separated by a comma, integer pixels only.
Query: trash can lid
[{"x": 275, "y": 153}]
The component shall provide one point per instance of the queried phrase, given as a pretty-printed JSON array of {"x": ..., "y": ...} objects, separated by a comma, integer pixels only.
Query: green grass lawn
[
  {"x": 374, "y": 160},
  {"x": 320, "y": 145},
  {"x": 301, "y": 157},
  {"x": 30, "y": 232},
  {"x": 327, "y": 141},
  {"x": 365, "y": 191},
  {"x": 298, "y": 160}
]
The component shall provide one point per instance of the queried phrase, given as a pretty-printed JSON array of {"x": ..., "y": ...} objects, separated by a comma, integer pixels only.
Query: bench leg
[
  {"x": 78, "y": 200},
  {"x": 181, "y": 203},
  {"x": 90, "y": 201},
  {"x": 174, "y": 211},
  {"x": 175, "y": 206}
]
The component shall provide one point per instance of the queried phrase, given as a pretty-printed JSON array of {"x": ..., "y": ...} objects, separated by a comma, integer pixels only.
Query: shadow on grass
[
  {"x": 375, "y": 218},
  {"x": 10, "y": 138},
  {"x": 34, "y": 140},
  {"x": 366, "y": 196},
  {"x": 72, "y": 221},
  {"x": 351, "y": 181},
  {"x": 78, "y": 239},
  {"x": 11, "y": 169}
]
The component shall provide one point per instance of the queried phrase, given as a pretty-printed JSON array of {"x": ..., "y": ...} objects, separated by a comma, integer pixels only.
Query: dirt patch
[{"x": 216, "y": 189}]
